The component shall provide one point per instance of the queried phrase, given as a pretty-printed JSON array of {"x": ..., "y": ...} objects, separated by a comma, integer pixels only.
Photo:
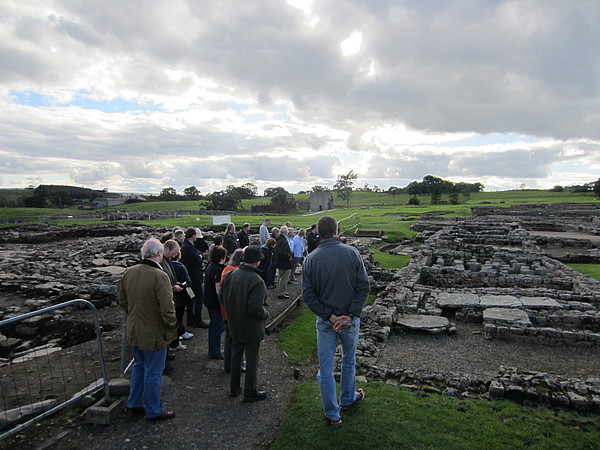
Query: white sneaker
[
  {"x": 180, "y": 347},
  {"x": 186, "y": 335}
]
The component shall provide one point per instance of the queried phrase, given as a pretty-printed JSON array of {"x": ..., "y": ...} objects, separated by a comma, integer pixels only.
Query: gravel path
[{"x": 469, "y": 353}]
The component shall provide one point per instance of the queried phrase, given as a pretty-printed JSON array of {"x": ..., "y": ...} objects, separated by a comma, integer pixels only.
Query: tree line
[{"x": 231, "y": 197}]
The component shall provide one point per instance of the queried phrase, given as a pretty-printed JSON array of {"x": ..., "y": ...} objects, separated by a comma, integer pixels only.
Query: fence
[
  {"x": 349, "y": 224},
  {"x": 41, "y": 380}
]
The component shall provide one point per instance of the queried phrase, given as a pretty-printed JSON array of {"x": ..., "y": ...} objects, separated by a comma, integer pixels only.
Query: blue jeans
[
  {"x": 215, "y": 331},
  {"x": 327, "y": 342},
  {"x": 146, "y": 379}
]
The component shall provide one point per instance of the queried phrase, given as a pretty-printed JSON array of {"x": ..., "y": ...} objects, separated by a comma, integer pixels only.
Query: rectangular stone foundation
[{"x": 102, "y": 413}]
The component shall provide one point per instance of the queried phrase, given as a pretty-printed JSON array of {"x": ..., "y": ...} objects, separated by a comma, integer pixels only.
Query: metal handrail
[{"x": 83, "y": 393}]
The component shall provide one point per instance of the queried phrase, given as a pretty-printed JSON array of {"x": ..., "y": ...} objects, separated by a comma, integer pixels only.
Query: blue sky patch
[
  {"x": 490, "y": 139},
  {"x": 30, "y": 98}
]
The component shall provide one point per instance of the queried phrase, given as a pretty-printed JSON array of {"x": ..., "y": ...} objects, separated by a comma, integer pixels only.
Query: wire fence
[{"x": 48, "y": 364}]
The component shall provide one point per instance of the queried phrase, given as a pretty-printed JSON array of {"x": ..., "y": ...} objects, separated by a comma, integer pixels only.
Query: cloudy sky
[{"x": 138, "y": 95}]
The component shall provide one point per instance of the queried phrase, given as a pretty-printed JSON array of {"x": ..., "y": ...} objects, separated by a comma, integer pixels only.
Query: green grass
[
  {"x": 370, "y": 299},
  {"x": 299, "y": 340},
  {"x": 592, "y": 270},
  {"x": 377, "y": 211},
  {"x": 393, "y": 417},
  {"x": 387, "y": 261}
]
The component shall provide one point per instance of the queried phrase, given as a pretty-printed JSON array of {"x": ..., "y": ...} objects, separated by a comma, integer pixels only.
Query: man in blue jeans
[
  {"x": 146, "y": 295},
  {"x": 335, "y": 286}
]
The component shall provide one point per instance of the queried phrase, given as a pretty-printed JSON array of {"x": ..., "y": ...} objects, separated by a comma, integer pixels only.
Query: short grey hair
[
  {"x": 152, "y": 248},
  {"x": 283, "y": 230}
]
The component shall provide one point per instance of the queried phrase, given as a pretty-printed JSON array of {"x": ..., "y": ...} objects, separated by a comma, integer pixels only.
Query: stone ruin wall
[{"x": 492, "y": 273}]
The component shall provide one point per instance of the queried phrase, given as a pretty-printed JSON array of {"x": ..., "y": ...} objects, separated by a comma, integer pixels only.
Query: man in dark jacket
[
  {"x": 192, "y": 261},
  {"x": 243, "y": 293},
  {"x": 283, "y": 262},
  {"x": 244, "y": 236},
  {"x": 312, "y": 238}
]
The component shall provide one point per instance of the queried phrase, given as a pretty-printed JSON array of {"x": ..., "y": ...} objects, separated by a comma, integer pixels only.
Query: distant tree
[
  {"x": 270, "y": 192},
  {"x": 61, "y": 199},
  {"x": 376, "y": 189},
  {"x": 37, "y": 200},
  {"x": 414, "y": 201},
  {"x": 318, "y": 188},
  {"x": 228, "y": 200},
  {"x": 597, "y": 187},
  {"x": 191, "y": 193},
  {"x": 453, "y": 195},
  {"x": 344, "y": 186},
  {"x": 436, "y": 186},
  {"x": 557, "y": 188},
  {"x": 250, "y": 190},
  {"x": 168, "y": 194},
  {"x": 415, "y": 188},
  {"x": 393, "y": 191}
]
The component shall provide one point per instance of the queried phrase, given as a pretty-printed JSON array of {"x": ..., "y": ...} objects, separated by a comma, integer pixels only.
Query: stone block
[
  {"x": 422, "y": 322},
  {"x": 499, "y": 301},
  {"x": 539, "y": 302},
  {"x": 506, "y": 316},
  {"x": 457, "y": 300},
  {"x": 102, "y": 413}
]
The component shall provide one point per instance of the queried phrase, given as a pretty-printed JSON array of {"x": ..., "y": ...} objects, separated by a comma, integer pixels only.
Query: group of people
[{"x": 170, "y": 280}]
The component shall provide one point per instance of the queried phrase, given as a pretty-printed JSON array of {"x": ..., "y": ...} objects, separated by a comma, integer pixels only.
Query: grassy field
[
  {"x": 387, "y": 261},
  {"x": 592, "y": 270},
  {"x": 393, "y": 417},
  {"x": 377, "y": 211}
]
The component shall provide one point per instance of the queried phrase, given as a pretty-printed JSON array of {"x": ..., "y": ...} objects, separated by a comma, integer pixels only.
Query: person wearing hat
[{"x": 243, "y": 293}]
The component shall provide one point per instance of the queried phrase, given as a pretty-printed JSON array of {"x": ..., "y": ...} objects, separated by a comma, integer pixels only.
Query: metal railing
[{"x": 31, "y": 381}]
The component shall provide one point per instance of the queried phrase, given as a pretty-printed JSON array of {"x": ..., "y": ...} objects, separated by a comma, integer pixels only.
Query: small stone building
[{"x": 321, "y": 201}]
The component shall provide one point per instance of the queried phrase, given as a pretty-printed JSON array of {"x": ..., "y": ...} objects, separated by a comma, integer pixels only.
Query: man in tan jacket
[{"x": 146, "y": 295}]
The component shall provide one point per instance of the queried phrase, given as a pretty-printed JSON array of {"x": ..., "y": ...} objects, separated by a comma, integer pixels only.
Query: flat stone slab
[
  {"x": 422, "y": 322},
  {"x": 499, "y": 301},
  {"x": 506, "y": 316},
  {"x": 114, "y": 270},
  {"x": 457, "y": 300},
  {"x": 539, "y": 302}
]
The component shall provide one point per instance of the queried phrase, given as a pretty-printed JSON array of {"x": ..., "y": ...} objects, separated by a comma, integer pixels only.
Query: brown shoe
[{"x": 166, "y": 415}]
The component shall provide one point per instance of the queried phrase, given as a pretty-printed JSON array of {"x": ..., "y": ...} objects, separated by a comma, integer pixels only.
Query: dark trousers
[
  {"x": 237, "y": 351},
  {"x": 227, "y": 349},
  {"x": 194, "y": 309},
  {"x": 179, "y": 311},
  {"x": 271, "y": 277},
  {"x": 215, "y": 331}
]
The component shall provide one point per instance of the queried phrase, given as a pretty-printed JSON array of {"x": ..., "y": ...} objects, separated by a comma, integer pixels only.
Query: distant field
[{"x": 377, "y": 211}]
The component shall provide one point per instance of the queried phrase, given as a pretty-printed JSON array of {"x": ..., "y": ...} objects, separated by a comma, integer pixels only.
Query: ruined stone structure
[
  {"x": 321, "y": 201},
  {"x": 492, "y": 271}
]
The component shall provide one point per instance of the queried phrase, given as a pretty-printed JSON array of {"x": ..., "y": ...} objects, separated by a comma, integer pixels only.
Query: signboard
[{"x": 219, "y": 220}]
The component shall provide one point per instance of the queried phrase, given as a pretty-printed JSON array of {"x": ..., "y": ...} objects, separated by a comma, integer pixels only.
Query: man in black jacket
[
  {"x": 192, "y": 261},
  {"x": 244, "y": 236},
  {"x": 243, "y": 293},
  {"x": 283, "y": 262}
]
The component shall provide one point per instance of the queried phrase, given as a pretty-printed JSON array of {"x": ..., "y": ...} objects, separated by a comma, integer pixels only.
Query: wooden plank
[{"x": 281, "y": 317}]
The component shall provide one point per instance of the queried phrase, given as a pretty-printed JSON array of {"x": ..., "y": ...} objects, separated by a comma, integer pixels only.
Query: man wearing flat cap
[{"x": 243, "y": 293}]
